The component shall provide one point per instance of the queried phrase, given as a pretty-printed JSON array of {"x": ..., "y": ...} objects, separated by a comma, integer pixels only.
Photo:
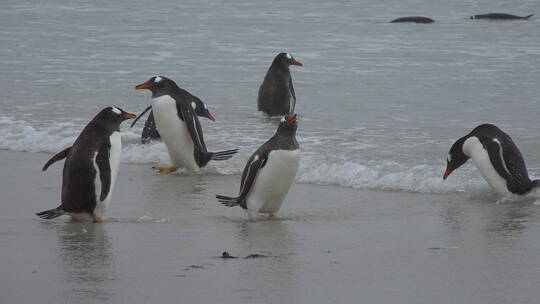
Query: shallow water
[
  {"x": 331, "y": 245},
  {"x": 380, "y": 106},
  {"x": 380, "y": 103}
]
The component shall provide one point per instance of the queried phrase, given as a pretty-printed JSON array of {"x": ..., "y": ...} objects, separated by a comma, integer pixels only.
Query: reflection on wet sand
[
  {"x": 86, "y": 258},
  {"x": 277, "y": 272},
  {"x": 495, "y": 220}
]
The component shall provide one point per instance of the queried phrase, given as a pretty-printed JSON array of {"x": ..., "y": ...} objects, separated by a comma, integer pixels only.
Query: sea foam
[{"x": 315, "y": 168}]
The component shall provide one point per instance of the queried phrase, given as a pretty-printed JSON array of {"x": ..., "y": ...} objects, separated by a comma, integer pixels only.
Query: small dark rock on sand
[{"x": 226, "y": 255}]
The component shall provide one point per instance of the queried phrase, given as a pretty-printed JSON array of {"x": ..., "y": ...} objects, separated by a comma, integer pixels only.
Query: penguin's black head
[
  {"x": 288, "y": 124},
  {"x": 456, "y": 157},
  {"x": 201, "y": 109},
  {"x": 285, "y": 60},
  {"x": 114, "y": 116},
  {"x": 159, "y": 85}
]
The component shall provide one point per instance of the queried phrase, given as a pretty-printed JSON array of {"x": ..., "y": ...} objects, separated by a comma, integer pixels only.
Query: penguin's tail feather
[
  {"x": 50, "y": 214},
  {"x": 227, "y": 200},
  {"x": 223, "y": 155},
  {"x": 529, "y": 16}
]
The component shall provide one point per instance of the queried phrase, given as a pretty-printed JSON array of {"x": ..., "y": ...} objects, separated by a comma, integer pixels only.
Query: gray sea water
[{"x": 380, "y": 105}]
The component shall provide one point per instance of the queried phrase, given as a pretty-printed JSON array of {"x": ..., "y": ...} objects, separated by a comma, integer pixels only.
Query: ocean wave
[
  {"x": 389, "y": 175},
  {"x": 315, "y": 168}
]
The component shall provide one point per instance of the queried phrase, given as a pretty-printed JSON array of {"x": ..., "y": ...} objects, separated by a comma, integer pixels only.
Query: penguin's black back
[
  {"x": 519, "y": 181},
  {"x": 274, "y": 93},
  {"x": 79, "y": 173}
]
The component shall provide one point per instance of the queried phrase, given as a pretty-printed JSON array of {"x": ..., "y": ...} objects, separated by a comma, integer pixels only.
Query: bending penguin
[
  {"x": 150, "y": 131},
  {"x": 276, "y": 93},
  {"x": 179, "y": 127},
  {"x": 90, "y": 168},
  {"x": 497, "y": 158},
  {"x": 269, "y": 172}
]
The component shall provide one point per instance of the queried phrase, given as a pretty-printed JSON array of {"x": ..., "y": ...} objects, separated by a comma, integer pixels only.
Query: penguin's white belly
[
  {"x": 273, "y": 181},
  {"x": 480, "y": 157},
  {"x": 115, "y": 154},
  {"x": 292, "y": 102},
  {"x": 174, "y": 132}
]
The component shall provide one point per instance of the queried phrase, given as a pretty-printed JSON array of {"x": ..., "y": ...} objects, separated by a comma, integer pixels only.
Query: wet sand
[{"x": 331, "y": 244}]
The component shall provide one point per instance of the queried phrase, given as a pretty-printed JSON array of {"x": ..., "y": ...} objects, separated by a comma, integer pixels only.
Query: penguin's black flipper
[
  {"x": 50, "y": 214},
  {"x": 59, "y": 156},
  {"x": 140, "y": 115},
  {"x": 195, "y": 131},
  {"x": 527, "y": 17},
  {"x": 150, "y": 131},
  {"x": 248, "y": 177},
  {"x": 102, "y": 161},
  {"x": 495, "y": 156}
]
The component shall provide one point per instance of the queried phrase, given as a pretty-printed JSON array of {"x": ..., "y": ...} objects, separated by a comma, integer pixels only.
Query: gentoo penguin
[
  {"x": 417, "y": 19},
  {"x": 497, "y": 158},
  {"x": 91, "y": 167},
  {"x": 276, "y": 93},
  {"x": 501, "y": 16},
  {"x": 269, "y": 172},
  {"x": 150, "y": 132},
  {"x": 179, "y": 127}
]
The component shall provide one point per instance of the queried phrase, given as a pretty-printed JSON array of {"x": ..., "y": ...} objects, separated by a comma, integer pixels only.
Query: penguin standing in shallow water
[
  {"x": 179, "y": 127},
  {"x": 91, "y": 167},
  {"x": 497, "y": 158},
  {"x": 269, "y": 172},
  {"x": 150, "y": 131},
  {"x": 276, "y": 93}
]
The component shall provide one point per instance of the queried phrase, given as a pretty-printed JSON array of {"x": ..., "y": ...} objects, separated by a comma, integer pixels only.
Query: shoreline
[{"x": 168, "y": 233}]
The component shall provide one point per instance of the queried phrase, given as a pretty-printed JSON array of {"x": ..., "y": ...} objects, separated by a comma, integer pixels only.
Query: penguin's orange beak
[
  {"x": 447, "y": 172},
  {"x": 129, "y": 116},
  {"x": 292, "y": 119},
  {"x": 294, "y": 62},
  {"x": 142, "y": 86},
  {"x": 211, "y": 117}
]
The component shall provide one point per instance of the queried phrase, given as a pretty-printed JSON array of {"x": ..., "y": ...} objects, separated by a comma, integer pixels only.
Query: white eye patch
[
  {"x": 289, "y": 56},
  {"x": 205, "y": 107},
  {"x": 449, "y": 158},
  {"x": 193, "y": 105},
  {"x": 158, "y": 79},
  {"x": 283, "y": 119},
  {"x": 116, "y": 110}
]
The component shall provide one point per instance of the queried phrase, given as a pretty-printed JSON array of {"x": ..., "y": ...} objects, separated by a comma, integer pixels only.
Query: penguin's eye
[
  {"x": 289, "y": 56},
  {"x": 283, "y": 120}
]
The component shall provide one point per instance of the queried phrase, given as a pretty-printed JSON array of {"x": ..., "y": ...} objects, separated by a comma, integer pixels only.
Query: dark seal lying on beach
[
  {"x": 225, "y": 255},
  {"x": 500, "y": 16},
  {"x": 417, "y": 19}
]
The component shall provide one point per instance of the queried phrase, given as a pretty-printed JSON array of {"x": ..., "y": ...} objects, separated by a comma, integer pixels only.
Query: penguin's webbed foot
[
  {"x": 166, "y": 170},
  {"x": 99, "y": 219}
]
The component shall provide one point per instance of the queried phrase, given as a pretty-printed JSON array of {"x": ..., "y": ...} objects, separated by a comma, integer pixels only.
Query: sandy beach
[{"x": 331, "y": 244}]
